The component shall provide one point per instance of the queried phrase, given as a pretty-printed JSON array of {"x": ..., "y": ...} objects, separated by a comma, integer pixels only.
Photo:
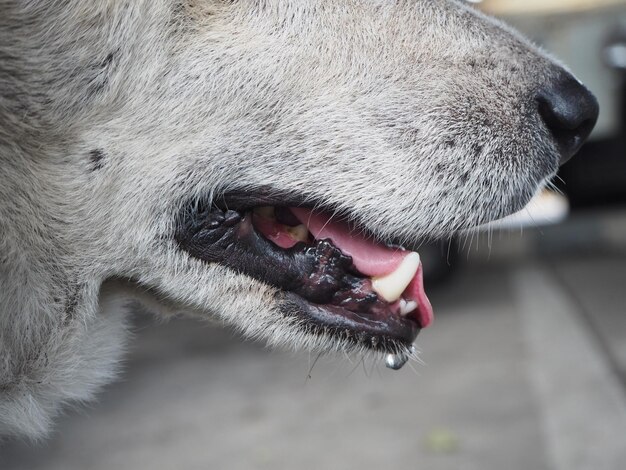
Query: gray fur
[{"x": 416, "y": 117}]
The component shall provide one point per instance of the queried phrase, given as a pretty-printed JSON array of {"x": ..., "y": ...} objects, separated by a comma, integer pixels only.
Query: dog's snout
[{"x": 570, "y": 111}]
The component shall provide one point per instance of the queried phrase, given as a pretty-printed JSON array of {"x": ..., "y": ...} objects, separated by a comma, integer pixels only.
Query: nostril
[{"x": 570, "y": 112}]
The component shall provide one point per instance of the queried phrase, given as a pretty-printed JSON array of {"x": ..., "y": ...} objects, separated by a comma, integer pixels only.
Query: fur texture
[{"x": 415, "y": 117}]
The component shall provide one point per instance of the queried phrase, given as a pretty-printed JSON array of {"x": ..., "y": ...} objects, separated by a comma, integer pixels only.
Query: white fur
[{"x": 414, "y": 117}]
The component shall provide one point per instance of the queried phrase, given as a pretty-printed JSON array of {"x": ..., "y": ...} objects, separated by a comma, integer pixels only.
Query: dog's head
[{"x": 228, "y": 156}]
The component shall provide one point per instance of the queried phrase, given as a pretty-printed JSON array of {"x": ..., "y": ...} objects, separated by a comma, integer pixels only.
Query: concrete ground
[{"x": 524, "y": 369}]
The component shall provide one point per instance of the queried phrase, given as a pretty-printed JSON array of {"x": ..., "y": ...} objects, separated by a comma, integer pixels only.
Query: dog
[{"x": 270, "y": 163}]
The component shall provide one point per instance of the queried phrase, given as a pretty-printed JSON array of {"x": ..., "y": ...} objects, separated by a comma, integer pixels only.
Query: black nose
[{"x": 570, "y": 111}]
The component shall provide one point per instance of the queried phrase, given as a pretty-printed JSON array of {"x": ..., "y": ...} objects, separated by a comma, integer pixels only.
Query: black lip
[
  {"x": 318, "y": 280},
  {"x": 390, "y": 333}
]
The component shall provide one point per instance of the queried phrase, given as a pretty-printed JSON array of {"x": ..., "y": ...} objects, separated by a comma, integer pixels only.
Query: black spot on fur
[
  {"x": 477, "y": 150},
  {"x": 96, "y": 158},
  {"x": 107, "y": 60},
  {"x": 71, "y": 303}
]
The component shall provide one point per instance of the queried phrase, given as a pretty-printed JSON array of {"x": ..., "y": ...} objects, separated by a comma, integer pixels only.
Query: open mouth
[{"x": 338, "y": 280}]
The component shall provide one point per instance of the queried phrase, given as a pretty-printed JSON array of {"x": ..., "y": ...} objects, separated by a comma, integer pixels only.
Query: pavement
[{"x": 524, "y": 368}]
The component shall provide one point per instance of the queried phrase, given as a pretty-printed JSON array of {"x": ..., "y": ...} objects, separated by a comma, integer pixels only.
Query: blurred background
[{"x": 525, "y": 367}]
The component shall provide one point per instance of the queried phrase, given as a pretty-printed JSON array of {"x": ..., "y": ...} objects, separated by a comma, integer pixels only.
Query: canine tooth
[
  {"x": 299, "y": 232},
  {"x": 391, "y": 286},
  {"x": 265, "y": 211},
  {"x": 407, "y": 307}
]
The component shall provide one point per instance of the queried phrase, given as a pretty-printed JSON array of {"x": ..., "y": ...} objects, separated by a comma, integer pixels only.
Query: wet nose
[{"x": 570, "y": 111}]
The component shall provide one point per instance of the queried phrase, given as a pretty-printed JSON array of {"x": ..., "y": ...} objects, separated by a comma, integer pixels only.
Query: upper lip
[{"x": 243, "y": 201}]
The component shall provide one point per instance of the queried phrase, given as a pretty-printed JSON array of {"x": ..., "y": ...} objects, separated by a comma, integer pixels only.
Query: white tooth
[
  {"x": 299, "y": 232},
  {"x": 266, "y": 211},
  {"x": 391, "y": 286},
  {"x": 407, "y": 307}
]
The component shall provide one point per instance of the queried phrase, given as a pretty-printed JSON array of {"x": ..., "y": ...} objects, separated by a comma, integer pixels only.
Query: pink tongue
[{"x": 370, "y": 258}]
